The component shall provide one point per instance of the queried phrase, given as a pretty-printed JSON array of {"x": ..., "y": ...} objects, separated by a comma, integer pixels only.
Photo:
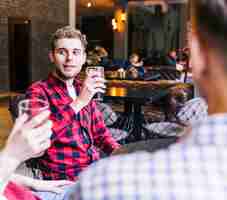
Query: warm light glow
[
  {"x": 123, "y": 17},
  {"x": 89, "y": 4},
  {"x": 115, "y": 91},
  {"x": 114, "y": 24},
  {"x": 120, "y": 16}
]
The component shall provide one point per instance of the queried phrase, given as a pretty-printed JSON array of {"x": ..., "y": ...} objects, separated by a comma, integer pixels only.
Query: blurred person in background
[
  {"x": 171, "y": 58},
  {"x": 135, "y": 67}
]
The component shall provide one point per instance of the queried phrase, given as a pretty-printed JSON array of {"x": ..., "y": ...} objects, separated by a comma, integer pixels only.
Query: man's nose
[{"x": 69, "y": 56}]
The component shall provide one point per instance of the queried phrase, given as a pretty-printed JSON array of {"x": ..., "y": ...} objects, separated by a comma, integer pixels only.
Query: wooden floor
[{"x": 5, "y": 118}]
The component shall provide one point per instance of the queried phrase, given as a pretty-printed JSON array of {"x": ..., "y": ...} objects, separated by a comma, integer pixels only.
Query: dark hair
[{"x": 209, "y": 20}]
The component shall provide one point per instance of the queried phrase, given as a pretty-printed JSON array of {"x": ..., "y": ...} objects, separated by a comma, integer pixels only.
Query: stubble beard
[{"x": 63, "y": 76}]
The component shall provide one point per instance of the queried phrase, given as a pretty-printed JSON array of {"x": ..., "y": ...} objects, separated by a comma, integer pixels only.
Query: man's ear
[
  {"x": 198, "y": 57},
  {"x": 51, "y": 56}
]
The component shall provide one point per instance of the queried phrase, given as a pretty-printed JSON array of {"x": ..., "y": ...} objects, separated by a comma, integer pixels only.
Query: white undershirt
[{"x": 72, "y": 92}]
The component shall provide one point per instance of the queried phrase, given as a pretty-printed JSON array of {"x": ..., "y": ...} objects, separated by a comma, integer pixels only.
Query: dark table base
[{"x": 132, "y": 121}]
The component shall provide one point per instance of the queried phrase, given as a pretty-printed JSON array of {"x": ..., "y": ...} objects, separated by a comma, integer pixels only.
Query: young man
[
  {"x": 196, "y": 168},
  {"x": 78, "y": 127}
]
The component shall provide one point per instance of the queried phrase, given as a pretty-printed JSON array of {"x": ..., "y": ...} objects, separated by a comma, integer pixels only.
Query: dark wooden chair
[{"x": 175, "y": 100}]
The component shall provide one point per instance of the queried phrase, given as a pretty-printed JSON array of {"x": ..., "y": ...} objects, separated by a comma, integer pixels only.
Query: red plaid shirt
[{"x": 75, "y": 137}]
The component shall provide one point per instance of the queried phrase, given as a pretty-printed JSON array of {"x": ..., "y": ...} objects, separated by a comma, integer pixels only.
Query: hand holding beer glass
[
  {"x": 37, "y": 127},
  {"x": 96, "y": 71}
]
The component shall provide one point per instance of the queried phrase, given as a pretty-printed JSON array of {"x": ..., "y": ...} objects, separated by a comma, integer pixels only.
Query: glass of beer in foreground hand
[
  {"x": 97, "y": 71},
  {"x": 32, "y": 107}
]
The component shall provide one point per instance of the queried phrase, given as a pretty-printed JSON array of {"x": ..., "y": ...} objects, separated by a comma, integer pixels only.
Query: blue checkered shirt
[{"x": 195, "y": 169}]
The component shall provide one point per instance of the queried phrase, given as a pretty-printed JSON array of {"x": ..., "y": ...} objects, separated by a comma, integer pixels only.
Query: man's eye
[
  {"x": 76, "y": 52},
  {"x": 61, "y": 52}
]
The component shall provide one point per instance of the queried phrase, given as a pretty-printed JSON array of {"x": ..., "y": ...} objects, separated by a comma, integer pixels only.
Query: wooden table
[{"x": 135, "y": 94}]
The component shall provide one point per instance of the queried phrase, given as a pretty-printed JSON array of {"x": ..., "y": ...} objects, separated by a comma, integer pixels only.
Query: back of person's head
[
  {"x": 209, "y": 51},
  {"x": 70, "y": 33},
  {"x": 172, "y": 53},
  {"x": 133, "y": 55},
  {"x": 101, "y": 51},
  {"x": 209, "y": 21}
]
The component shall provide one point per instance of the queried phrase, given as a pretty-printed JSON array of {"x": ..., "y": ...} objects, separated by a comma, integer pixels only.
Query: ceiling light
[{"x": 89, "y": 4}]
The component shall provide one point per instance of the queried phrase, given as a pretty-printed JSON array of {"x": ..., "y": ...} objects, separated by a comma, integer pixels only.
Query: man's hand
[
  {"x": 41, "y": 185},
  {"x": 121, "y": 150},
  {"x": 50, "y": 186},
  {"x": 92, "y": 84},
  {"x": 29, "y": 138}
]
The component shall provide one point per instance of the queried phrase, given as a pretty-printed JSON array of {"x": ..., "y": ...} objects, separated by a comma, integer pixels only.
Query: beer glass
[
  {"x": 32, "y": 107},
  {"x": 99, "y": 72}
]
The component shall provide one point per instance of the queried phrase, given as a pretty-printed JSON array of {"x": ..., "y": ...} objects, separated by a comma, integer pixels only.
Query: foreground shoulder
[{"x": 118, "y": 163}]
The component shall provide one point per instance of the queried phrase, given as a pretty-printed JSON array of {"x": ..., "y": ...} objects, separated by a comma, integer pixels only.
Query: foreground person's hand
[{"x": 29, "y": 138}]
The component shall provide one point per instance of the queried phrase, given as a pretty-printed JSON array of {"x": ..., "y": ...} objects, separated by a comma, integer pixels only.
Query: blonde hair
[{"x": 67, "y": 32}]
